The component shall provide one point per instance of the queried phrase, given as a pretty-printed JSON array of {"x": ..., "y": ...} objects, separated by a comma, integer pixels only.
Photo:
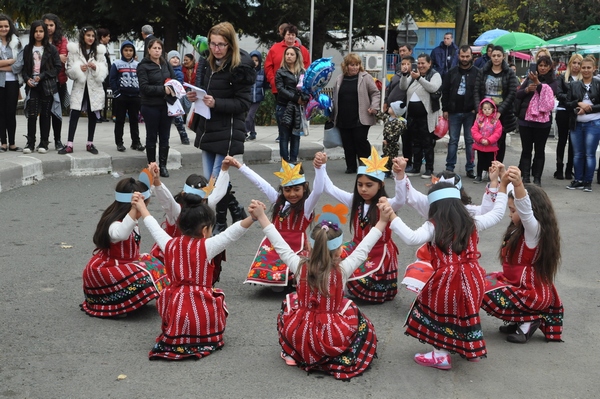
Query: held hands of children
[
  {"x": 139, "y": 205},
  {"x": 319, "y": 160},
  {"x": 154, "y": 169},
  {"x": 230, "y": 161},
  {"x": 386, "y": 213},
  {"x": 398, "y": 167},
  {"x": 257, "y": 213}
]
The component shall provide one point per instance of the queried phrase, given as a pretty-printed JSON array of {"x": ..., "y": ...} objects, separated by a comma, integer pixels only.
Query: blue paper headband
[
  {"x": 126, "y": 197},
  {"x": 450, "y": 192},
  {"x": 379, "y": 175},
  {"x": 324, "y": 220},
  {"x": 192, "y": 190}
]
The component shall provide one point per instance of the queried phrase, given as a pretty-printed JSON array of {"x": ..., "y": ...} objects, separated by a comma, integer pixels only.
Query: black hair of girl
[
  {"x": 116, "y": 211},
  {"x": 548, "y": 260},
  {"x": 427, "y": 57},
  {"x": 82, "y": 45},
  {"x": 28, "y": 54},
  {"x": 295, "y": 208},
  {"x": 194, "y": 180},
  {"x": 195, "y": 215},
  {"x": 453, "y": 223},
  {"x": 57, "y": 36},
  {"x": 322, "y": 260},
  {"x": 464, "y": 197},
  {"x": 359, "y": 202},
  {"x": 549, "y": 76},
  {"x": 11, "y": 26}
]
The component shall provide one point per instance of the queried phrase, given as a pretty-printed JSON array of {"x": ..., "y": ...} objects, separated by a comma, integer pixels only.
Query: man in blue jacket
[{"x": 445, "y": 56}]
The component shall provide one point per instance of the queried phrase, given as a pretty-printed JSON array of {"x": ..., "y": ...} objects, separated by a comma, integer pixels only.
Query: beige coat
[
  {"x": 423, "y": 89},
  {"x": 93, "y": 78},
  {"x": 369, "y": 96}
]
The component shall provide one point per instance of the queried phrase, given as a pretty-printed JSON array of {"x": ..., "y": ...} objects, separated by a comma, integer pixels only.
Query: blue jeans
[
  {"x": 585, "y": 140},
  {"x": 211, "y": 164},
  {"x": 286, "y": 138},
  {"x": 456, "y": 121}
]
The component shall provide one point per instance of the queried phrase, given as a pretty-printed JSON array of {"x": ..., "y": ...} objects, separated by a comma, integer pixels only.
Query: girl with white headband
[
  {"x": 446, "y": 311},
  {"x": 117, "y": 279}
]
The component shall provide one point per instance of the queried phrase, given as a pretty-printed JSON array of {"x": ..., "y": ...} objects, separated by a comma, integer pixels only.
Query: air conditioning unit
[{"x": 373, "y": 61}]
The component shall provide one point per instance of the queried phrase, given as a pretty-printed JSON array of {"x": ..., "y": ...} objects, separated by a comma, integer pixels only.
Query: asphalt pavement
[{"x": 51, "y": 349}]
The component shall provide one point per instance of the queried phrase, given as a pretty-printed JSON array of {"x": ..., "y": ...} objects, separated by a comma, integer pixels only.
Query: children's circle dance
[{"x": 320, "y": 327}]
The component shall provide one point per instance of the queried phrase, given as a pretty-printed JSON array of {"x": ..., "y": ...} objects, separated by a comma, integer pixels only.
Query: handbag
[
  {"x": 441, "y": 129},
  {"x": 331, "y": 136},
  {"x": 303, "y": 131}
]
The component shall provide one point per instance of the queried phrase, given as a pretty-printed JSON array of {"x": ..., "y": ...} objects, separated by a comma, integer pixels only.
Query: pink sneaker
[
  {"x": 429, "y": 360},
  {"x": 288, "y": 359}
]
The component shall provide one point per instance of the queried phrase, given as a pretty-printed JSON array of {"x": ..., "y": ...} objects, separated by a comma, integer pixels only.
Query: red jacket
[
  {"x": 62, "y": 50},
  {"x": 273, "y": 61},
  {"x": 191, "y": 79}
]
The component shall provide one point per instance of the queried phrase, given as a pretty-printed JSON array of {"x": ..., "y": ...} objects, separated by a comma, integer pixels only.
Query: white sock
[
  {"x": 525, "y": 327},
  {"x": 440, "y": 352}
]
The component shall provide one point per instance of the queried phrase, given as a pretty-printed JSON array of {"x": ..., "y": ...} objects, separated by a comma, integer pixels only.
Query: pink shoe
[
  {"x": 288, "y": 359},
  {"x": 429, "y": 360}
]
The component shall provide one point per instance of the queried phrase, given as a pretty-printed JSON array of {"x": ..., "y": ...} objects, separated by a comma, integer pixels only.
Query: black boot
[
  {"x": 237, "y": 212},
  {"x": 221, "y": 214},
  {"x": 151, "y": 154},
  {"x": 569, "y": 171},
  {"x": 163, "y": 156},
  {"x": 559, "y": 172},
  {"x": 184, "y": 137}
]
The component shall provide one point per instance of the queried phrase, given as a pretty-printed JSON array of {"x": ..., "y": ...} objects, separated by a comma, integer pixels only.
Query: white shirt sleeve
[
  {"x": 417, "y": 200},
  {"x": 120, "y": 231},
  {"x": 360, "y": 253},
  {"x": 159, "y": 234},
  {"x": 215, "y": 245},
  {"x": 261, "y": 183},
  {"x": 412, "y": 237},
  {"x": 340, "y": 195},
  {"x": 399, "y": 198},
  {"x": 489, "y": 197},
  {"x": 220, "y": 189},
  {"x": 494, "y": 216},
  {"x": 167, "y": 203},
  {"x": 315, "y": 194},
  {"x": 289, "y": 257},
  {"x": 530, "y": 223}
]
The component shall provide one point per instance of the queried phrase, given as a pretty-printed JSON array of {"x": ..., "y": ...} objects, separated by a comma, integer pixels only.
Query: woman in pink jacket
[{"x": 486, "y": 132}]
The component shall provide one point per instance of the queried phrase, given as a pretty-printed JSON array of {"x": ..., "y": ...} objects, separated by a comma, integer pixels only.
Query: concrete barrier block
[{"x": 90, "y": 164}]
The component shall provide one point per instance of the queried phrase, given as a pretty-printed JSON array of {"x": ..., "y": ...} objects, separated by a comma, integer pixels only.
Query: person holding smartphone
[{"x": 534, "y": 104}]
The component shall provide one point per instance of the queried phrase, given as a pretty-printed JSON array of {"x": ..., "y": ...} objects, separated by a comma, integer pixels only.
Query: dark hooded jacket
[
  {"x": 509, "y": 92},
  {"x": 258, "y": 89},
  {"x": 444, "y": 57},
  {"x": 123, "y": 75},
  {"x": 225, "y": 132}
]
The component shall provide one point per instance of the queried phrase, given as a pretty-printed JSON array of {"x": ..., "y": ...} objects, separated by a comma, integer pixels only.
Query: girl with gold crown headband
[
  {"x": 293, "y": 206},
  {"x": 118, "y": 279},
  {"x": 377, "y": 279},
  {"x": 211, "y": 193},
  {"x": 445, "y": 313},
  {"x": 319, "y": 329},
  {"x": 193, "y": 312}
]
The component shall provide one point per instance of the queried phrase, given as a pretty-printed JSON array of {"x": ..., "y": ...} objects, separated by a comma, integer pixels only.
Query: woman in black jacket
[
  {"x": 227, "y": 76},
  {"x": 152, "y": 72},
  {"x": 498, "y": 82},
  {"x": 39, "y": 73},
  {"x": 534, "y": 133},
  {"x": 289, "y": 97}
]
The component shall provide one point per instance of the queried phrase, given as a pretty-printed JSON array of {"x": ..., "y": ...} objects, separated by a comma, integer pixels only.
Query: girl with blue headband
[
  {"x": 117, "y": 279},
  {"x": 319, "y": 329},
  {"x": 193, "y": 312},
  {"x": 293, "y": 205},
  {"x": 445, "y": 313},
  {"x": 377, "y": 279}
]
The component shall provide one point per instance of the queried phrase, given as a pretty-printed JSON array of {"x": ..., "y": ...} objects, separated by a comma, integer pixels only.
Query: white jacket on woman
[
  {"x": 93, "y": 78},
  {"x": 423, "y": 89}
]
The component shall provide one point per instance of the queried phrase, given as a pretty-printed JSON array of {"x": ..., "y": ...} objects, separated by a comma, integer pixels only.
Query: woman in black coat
[
  {"x": 498, "y": 82},
  {"x": 152, "y": 72},
  {"x": 227, "y": 76}
]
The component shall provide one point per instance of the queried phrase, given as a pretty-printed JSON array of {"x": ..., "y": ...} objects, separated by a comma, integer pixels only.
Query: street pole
[
  {"x": 350, "y": 28},
  {"x": 385, "y": 41}
]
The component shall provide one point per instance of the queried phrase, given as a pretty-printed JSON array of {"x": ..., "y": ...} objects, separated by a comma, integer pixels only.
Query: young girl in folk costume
[
  {"x": 445, "y": 313},
  {"x": 210, "y": 192},
  {"x": 524, "y": 293},
  {"x": 486, "y": 132},
  {"x": 318, "y": 328},
  {"x": 293, "y": 206},
  {"x": 117, "y": 279},
  {"x": 193, "y": 312},
  {"x": 41, "y": 65},
  {"x": 87, "y": 67},
  {"x": 377, "y": 279}
]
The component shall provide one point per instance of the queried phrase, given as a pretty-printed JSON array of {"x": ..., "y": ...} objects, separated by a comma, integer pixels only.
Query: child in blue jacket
[{"x": 258, "y": 94}]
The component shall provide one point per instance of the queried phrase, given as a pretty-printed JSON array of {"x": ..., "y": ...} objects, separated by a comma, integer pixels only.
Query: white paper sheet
[{"x": 199, "y": 107}]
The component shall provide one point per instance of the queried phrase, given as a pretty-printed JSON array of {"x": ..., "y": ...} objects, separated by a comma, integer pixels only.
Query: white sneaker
[
  {"x": 42, "y": 150},
  {"x": 26, "y": 150}
]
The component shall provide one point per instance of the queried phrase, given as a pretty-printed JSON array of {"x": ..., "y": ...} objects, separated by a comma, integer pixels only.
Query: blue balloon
[{"x": 318, "y": 75}]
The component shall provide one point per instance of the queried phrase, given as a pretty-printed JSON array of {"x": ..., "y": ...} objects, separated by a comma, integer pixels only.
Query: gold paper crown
[
  {"x": 375, "y": 163},
  {"x": 289, "y": 174}
]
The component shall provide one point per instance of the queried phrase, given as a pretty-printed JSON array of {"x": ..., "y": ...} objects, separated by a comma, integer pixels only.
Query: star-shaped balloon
[
  {"x": 287, "y": 174},
  {"x": 375, "y": 163}
]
